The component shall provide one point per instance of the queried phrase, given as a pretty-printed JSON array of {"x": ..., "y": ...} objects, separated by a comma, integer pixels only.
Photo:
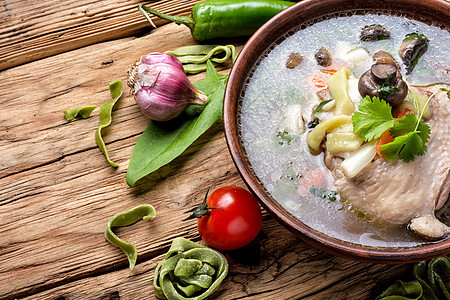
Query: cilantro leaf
[
  {"x": 406, "y": 147},
  {"x": 424, "y": 131},
  {"x": 404, "y": 125},
  {"x": 408, "y": 124},
  {"x": 373, "y": 118},
  {"x": 410, "y": 135}
]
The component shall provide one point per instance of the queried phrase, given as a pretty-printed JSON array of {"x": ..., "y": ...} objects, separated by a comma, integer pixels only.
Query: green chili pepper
[
  {"x": 84, "y": 112},
  {"x": 193, "y": 58},
  {"x": 116, "y": 89},
  {"x": 144, "y": 212},
  {"x": 225, "y": 18},
  {"x": 189, "y": 271}
]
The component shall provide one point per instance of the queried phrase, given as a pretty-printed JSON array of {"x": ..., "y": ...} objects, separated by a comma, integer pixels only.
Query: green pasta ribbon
[
  {"x": 84, "y": 112},
  {"x": 428, "y": 284},
  {"x": 142, "y": 212},
  {"x": 189, "y": 271},
  {"x": 116, "y": 90},
  {"x": 193, "y": 58}
]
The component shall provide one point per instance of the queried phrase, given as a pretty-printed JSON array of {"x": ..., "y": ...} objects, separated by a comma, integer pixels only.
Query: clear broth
[{"x": 282, "y": 160}]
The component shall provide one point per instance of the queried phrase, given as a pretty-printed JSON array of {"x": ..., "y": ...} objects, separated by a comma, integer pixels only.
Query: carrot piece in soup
[
  {"x": 385, "y": 138},
  {"x": 319, "y": 78},
  {"x": 332, "y": 69}
]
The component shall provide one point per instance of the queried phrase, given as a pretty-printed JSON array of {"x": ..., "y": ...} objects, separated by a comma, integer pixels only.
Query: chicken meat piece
[{"x": 400, "y": 192}]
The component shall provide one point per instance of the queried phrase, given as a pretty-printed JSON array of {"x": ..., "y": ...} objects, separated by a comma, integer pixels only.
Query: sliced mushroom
[
  {"x": 374, "y": 32},
  {"x": 383, "y": 81},
  {"x": 294, "y": 60},
  {"x": 382, "y": 57},
  {"x": 323, "y": 57},
  {"x": 412, "y": 48}
]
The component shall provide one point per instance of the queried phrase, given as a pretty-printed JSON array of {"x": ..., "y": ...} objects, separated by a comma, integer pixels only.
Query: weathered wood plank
[
  {"x": 34, "y": 29},
  {"x": 55, "y": 228},
  {"x": 58, "y": 193},
  {"x": 36, "y": 93},
  {"x": 57, "y": 189},
  {"x": 300, "y": 273}
]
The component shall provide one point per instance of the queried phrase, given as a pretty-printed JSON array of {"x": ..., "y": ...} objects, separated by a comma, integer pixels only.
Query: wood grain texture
[
  {"x": 273, "y": 273},
  {"x": 37, "y": 91},
  {"x": 58, "y": 191},
  {"x": 34, "y": 29}
]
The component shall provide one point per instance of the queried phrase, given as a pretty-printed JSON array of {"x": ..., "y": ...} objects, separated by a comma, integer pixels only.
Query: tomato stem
[{"x": 201, "y": 210}]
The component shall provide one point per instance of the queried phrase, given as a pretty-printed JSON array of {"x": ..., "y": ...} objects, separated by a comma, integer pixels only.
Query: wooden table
[{"x": 58, "y": 192}]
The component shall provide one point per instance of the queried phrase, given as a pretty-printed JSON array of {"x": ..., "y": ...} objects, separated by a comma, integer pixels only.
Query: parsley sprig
[{"x": 410, "y": 134}]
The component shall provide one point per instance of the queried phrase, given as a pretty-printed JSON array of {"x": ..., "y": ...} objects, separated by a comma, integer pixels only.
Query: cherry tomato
[{"x": 235, "y": 224}]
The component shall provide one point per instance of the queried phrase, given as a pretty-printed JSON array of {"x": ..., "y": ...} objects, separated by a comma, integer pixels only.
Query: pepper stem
[
  {"x": 201, "y": 210},
  {"x": 184, "y": 20},
  {"x": 144, "y": 13}
]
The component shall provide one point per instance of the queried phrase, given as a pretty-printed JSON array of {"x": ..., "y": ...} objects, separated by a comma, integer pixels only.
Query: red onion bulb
[{"x": 161, "y": 88}]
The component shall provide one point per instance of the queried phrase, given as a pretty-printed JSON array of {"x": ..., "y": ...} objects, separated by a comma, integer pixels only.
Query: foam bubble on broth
[{"x": 273, "y": 88}]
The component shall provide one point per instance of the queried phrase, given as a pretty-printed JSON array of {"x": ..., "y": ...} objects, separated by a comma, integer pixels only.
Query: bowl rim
[{"x": 426, "y": 11}]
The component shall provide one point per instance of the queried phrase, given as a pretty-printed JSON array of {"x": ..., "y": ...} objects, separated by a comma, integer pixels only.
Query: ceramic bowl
[{"x": 272, "y": 32}]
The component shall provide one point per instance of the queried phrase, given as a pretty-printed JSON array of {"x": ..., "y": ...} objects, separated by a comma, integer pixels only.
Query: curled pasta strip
[
  {"x": 342, "y": 139},
  {"x": 194, "y": 57},
  {"x": 338, "y": 85},
  {"x": 116, "y": 89},
  {"x": 189, "y": 271},
  {"x": 427, "y": 285},
  {"x": 429, "y": 278},
  {"x": 141, "y": 212},
  {"x": 316, "y": 135},
  {"x": 84, "y": 112}
]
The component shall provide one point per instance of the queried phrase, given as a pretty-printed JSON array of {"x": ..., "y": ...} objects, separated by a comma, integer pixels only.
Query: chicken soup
[{"x": 346, "y": 123}]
